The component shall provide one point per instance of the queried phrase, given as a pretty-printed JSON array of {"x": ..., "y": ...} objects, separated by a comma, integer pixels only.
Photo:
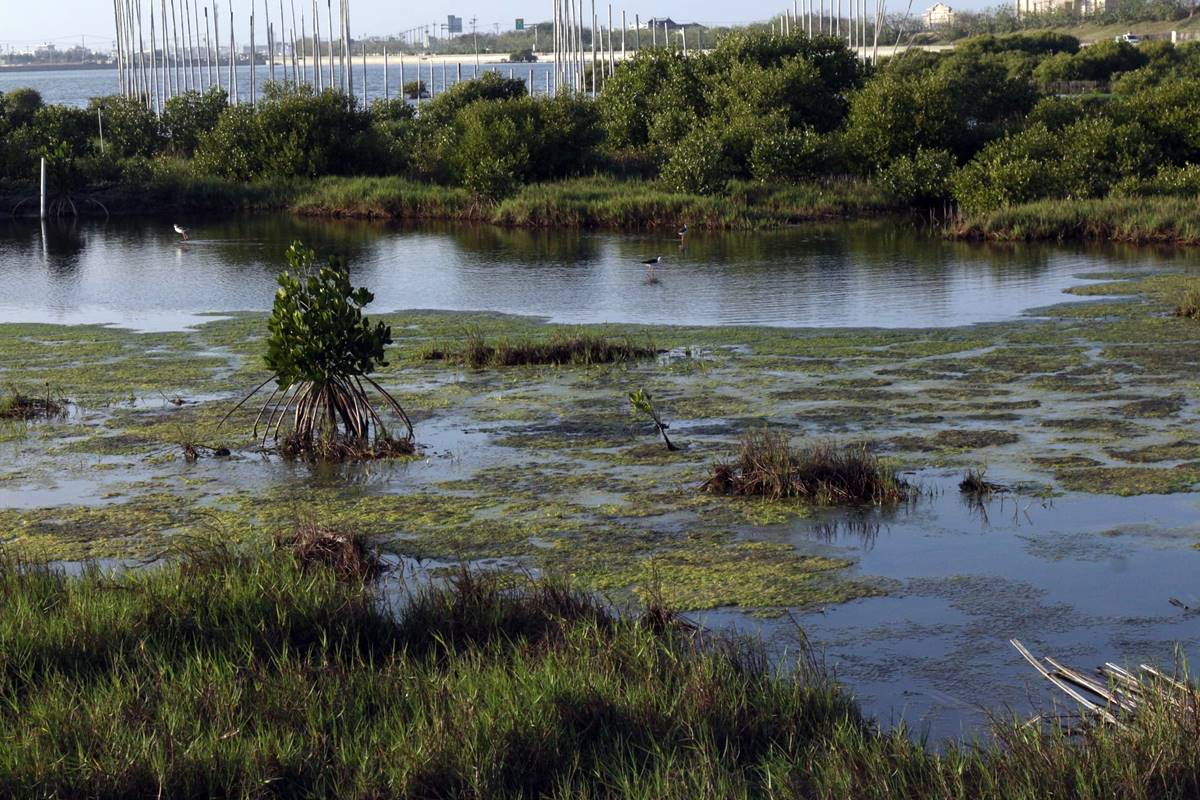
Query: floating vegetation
[
  {"x": 821, "y": 473},
  {"x": 561, "y": 349},
  {"x": 321, "y": 350}
]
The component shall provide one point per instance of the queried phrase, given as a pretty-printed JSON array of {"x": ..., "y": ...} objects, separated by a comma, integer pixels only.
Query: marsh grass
[
  {"x": 561, "y": 348},
  {"x": 977, "y": 487},
  {"x": 596, "y": 202},
  {"x": 822, "y": 473},
  {"x": 254, "y": 674},
  {"x": 1189, "y": 304},
  {"x": 1136, "y": 220}
]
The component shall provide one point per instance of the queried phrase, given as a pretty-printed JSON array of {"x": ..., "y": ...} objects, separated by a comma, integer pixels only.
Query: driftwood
[{"x": 1114, "y": 693}]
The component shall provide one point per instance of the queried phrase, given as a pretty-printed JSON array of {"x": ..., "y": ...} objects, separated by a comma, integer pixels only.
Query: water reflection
[{"x": 877, "y": 274}]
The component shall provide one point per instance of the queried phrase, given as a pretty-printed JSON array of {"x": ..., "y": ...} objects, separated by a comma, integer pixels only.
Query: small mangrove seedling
[
  {"x": 641, "y": 401},
  {"x": 321, "y": 351}
]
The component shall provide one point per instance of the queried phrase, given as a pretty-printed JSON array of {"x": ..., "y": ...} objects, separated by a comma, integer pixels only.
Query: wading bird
[
  {"x": 182, "y": 231},
  {"x": 651, "y": 263},
  {"x": 682, "y": 231}
]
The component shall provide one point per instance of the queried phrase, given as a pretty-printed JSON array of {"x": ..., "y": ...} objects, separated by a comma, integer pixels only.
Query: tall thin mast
[
  {"x": 196, "y": 32},
  {"x": 329, "y": 17}
]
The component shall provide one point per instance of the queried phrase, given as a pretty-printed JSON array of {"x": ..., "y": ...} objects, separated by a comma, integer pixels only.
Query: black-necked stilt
[
  {"x": 651, "y": 263},
  {"x": 182, "y": 231},
  {"x": 682, "y": 231}
]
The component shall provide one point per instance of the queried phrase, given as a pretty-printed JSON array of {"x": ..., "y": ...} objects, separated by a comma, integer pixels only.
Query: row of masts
[
  {"x": 168, "y": 47},
  {"x": 855, "y": 23},
  {"x": 579, "y": 59}
]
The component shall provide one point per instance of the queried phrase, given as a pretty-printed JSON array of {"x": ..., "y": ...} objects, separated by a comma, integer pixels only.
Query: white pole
[
  {"x": 386, "y": 95},
  {"x": 329, "y": 18},
  {"x": 252, "y": 60}
]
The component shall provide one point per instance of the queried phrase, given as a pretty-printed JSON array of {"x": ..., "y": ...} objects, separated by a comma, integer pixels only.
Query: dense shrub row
[{"x": 983, "y": 125}]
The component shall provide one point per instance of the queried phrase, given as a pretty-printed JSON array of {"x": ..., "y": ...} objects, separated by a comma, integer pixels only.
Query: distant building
[
  {"x": 939, "y": 15},
  {"x": 1037, "y": 7},
  {"x": 670, "y": 23}
]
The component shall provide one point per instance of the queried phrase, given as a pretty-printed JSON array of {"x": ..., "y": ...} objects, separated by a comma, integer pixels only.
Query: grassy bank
[
  {"x": 593, "y": 203},
  {"x": 167, "y": 193},
  {"x": 1136, "y": 220},
  {"x": 260, "y": 675}
]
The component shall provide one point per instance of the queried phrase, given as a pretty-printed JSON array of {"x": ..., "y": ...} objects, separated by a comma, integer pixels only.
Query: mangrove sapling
[
  {"x": 321, "y": 351},
  {"x": 643, "y": 402}
]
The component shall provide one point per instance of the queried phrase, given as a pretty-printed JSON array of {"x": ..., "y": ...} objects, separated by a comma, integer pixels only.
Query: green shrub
[
  {"x": 787, "y": 156},
  {"x": 188, "y": 116},
  {"x": 18, "y": 107},
  {"x": 130, "y": 128},
  {"x": 920, "y": 179},
  {"x": 698, "y": 164},
  {"x": 440, "y": 112},
  {"x": 490, "y": 152},
  {"x": 292, "y": 132}
]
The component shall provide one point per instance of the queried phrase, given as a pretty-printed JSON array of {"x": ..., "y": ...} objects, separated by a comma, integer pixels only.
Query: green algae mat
[{"x": 546, "y": 468}]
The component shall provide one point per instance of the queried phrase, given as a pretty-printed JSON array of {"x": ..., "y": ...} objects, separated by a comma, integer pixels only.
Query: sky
[{"x": 26, "y": 23}]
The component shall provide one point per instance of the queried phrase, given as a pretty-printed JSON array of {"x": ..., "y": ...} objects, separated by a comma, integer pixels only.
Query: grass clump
[
  {"x": 249, "y": 674},
  {"x": 16, "y": 404},
  {"x": 821, "y": 473},
  {"x": 1189, "y": 305},
  {"x": 578, "y": 348},
  {"x": 344, "y": 552}
]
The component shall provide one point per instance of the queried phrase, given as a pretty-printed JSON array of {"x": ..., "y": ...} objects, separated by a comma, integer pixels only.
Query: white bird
[{"x": 182, "y": 231}]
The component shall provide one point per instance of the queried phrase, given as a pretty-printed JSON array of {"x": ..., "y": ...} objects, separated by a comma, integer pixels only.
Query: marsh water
[
  {"x": 1083, "y": 577},
  {"x": 75, "y": 87},
  {"x": 143, "y": 275}
]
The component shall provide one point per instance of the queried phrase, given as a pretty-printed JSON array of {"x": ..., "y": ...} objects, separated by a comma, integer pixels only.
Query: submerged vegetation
[
  {"x": 285, "y": 680},
  {"x": 820, "y": 473}
]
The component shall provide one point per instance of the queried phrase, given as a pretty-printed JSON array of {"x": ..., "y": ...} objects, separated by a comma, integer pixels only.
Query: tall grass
[
  {"x": 767, "y": 465},
  {"x": 597, "y": 202},
  {"x": 256, "y": 675},
  {"x": 561, "y": 348},
  {"x": 1137, "y": 220}
]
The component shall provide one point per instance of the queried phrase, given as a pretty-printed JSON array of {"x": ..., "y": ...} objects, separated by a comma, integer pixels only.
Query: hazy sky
[{"x": 24, "y": 23}]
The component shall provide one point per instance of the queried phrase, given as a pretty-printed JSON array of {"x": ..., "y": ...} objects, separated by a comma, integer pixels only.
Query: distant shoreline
[{"x": 5, "y": 68}]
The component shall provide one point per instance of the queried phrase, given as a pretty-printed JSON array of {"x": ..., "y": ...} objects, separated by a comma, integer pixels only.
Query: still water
[
  {"x": 76, "y": 87},
  {"x": 140, "y": 275}
]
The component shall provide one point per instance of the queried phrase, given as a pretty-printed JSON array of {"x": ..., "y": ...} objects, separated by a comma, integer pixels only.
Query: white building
[
  {"x": 939, "y": 15},
  {"x": 1035, "y": 7}
]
